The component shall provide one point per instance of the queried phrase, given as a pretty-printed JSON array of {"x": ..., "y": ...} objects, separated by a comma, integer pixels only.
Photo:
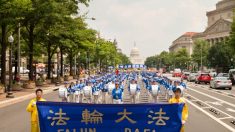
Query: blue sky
[{"x": 152, "y": 24}]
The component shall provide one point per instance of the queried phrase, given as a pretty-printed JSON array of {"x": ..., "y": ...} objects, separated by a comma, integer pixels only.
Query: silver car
[
  {"x": 221, "y": 82},
  {"x": 192, "y": 77}
]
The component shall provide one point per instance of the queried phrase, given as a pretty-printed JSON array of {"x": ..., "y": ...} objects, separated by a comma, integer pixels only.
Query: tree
[
  {"x": 200, "y": 51},
  {"x": 220, "y": 56},
  {"x": 10, "y": 14},
  {"x": 182, "y": 58}
]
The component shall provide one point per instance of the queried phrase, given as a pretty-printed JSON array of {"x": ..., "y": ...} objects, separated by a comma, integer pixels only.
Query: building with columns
[
  {"x": 219, "y": 22},
  {"x": 184, "y": 41},
  {"x": 218, "y": 27}
]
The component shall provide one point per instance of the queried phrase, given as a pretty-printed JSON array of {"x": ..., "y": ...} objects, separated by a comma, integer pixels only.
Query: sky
[{"x": 152, "y": 24}]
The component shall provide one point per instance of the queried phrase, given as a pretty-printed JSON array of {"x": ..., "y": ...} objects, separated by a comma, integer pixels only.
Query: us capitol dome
[{"x": 135, "y": 57}]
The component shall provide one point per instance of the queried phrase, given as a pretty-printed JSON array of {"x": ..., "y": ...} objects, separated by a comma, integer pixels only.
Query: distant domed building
[{"x": 135, "y": 57}]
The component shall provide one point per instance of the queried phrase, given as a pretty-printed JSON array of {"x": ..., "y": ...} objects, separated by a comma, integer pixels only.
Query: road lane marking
[
  {"x": 214, "y": 103},
  {"x": 230, "y": 110},
  {"x": 210, "y": 106},
  {"x": 223, "y": 118},
  {"x": 222, "y": 101},
  {"x": 211, "y": 116}
]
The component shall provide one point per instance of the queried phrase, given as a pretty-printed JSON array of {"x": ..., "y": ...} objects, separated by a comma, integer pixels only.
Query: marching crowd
[{"x": 108, "y": 88}]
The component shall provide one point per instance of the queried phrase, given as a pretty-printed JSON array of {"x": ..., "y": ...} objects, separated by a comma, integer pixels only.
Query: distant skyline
[{"x": 152, "y": 24}]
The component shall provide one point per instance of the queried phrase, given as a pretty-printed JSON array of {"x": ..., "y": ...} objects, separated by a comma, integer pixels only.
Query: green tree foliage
[
  {"x": 201, "y": 48},
  {"x": 220, "y": 56},
  {"x": 50, "y": 25}
]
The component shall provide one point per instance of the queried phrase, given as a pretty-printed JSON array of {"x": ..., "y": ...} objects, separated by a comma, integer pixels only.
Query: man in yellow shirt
[
  {"x": 32, "y": 108},
  {"x": 178, "y": 99}
]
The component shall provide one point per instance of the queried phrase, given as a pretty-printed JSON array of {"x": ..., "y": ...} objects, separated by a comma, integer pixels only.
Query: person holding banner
[
  {"x": 178, "y": 99},
  {"x": 32, "y": 108},
  {"x": 117, "y": 94}
]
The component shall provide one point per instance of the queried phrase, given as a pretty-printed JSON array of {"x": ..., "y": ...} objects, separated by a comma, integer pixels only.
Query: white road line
[
  {"x": 204, "y": 102},
  {"x": 225, "y": 102},
  {"x": 223, "y": 118},
  {"x": 211, "y": 116}
]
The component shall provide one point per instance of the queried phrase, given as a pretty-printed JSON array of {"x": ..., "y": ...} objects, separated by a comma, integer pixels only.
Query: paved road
[{"x": 14, "y": 118}]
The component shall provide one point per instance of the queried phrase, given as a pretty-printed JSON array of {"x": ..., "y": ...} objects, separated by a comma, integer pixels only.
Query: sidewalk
[{"x": 27, "y": 94}]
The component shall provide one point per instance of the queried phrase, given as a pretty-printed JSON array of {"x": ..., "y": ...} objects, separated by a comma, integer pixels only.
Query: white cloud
[{"x": 153, "y": 24}]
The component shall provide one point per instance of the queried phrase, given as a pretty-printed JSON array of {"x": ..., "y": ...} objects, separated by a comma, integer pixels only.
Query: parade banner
[{"x": 74, "y": 117}]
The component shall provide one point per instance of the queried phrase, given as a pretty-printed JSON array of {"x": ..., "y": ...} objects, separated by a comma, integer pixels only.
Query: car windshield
[
  {"x": 222, "y": 75},
  {"x": 222, "y": 78},
  {"x": 205, "y": 75}
]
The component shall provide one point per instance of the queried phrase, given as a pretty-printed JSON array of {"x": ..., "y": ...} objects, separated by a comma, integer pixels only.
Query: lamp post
[
  {"x": 231, "y": 62},
  {"x": 9, "y": 89},
  {"x": 201, "y": 59},
  {"x": 79, "y": 64},
  {"x": 58, "y": 67}
]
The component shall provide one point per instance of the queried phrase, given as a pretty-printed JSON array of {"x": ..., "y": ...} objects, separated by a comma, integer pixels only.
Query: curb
[{"x": 25, "y": 97}]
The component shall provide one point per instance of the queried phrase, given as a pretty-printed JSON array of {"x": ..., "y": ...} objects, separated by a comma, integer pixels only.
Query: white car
[
  {"x": 221, "y": 82},
  {"x": 23, "y": 70}
]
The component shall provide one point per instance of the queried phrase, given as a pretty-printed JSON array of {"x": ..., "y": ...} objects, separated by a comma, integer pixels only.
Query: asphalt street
[{"x": 203, "y": 104}]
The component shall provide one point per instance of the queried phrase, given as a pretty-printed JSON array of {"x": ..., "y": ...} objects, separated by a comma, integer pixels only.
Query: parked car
[
  {"x": 223, "y": 75},
  {"x": 22, "y": 70},
  {"x": 177, "y": 73},
  {"x": 203, "y": 77},
  {"x": 185, "y": 75},
  {"x": 221, "y": 82},
  {"x": 192, "y": 77},
  {"x": 232, "y": 75}
]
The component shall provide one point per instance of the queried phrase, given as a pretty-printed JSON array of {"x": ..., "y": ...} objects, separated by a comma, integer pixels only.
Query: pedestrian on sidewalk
[
  {"x": 32, "y": 108},
  {"x": 179, "y": 99}
]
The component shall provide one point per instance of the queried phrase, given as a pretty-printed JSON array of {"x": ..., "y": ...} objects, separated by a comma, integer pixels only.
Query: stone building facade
[
  {"x": 184, "y": 41},
  {"x": 218, "y": 26}
]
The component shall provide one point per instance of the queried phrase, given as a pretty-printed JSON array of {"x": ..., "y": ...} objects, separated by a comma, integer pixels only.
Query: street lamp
[
  {"x": 201, "y": 59},
  {"x": 58, "y": 58},
  {"x": 9, "y": 90}
]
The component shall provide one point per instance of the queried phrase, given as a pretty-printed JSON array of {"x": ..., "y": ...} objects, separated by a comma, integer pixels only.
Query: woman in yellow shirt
[
  {"x": 178, "y": 99},
  {"x": 32, "y": 108}
]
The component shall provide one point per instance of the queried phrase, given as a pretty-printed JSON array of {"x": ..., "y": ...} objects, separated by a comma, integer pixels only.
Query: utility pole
[{"x": 18, "y": 52}]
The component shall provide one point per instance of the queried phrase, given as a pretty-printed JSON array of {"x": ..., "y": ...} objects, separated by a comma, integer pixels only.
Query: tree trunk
[
  {"x": 61, "y": 63},
  {"x": 49, "y": 60},
  {"x": 3, "y": 54},
  {"x": 31, "y": 41},
  {"x": 71, "y": 64}
]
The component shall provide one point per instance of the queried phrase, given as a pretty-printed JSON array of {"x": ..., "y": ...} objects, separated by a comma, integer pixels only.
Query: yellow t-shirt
[
  {"x": 185, "y": 108},
  {"x": 33, "y": 109}
]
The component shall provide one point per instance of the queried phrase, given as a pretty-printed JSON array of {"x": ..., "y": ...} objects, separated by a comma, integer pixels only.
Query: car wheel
[{"x": 230, "y": 89}]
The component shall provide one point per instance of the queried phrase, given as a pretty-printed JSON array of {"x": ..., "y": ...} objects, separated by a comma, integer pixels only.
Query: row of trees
[
  {"x": 49, "y": 25},
  {"x": 219, "y": 56}
]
